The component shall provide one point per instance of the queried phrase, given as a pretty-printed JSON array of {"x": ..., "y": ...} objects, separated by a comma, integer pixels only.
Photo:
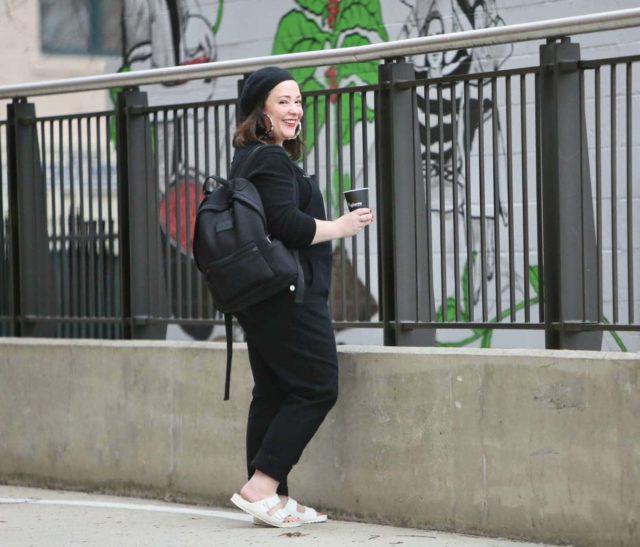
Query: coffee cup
[{"x": 357, "y": 198}]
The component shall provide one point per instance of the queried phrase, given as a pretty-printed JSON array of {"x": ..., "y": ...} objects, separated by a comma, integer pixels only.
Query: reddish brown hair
[{"x": 254, "y": 130}]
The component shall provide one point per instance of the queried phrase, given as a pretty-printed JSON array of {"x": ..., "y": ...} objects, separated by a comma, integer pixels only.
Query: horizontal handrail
[{"x": 553, "y": 28}]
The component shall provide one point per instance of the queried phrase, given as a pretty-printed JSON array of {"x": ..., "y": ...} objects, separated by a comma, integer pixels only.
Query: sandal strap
[
  {"x": 292, "y": 507},
  {"x": 281, "y": 514},
  {"x": 270, "y": 503}
]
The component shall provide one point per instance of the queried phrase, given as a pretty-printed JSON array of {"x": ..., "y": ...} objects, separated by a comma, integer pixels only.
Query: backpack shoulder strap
[{"x": 243, "y": 168}]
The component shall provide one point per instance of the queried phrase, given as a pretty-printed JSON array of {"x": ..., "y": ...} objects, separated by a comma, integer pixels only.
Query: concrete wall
[{"x": 538, "y": 445}]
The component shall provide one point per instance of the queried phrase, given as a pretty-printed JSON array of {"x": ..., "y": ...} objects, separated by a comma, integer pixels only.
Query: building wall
[{"x": 22, "y": 61}]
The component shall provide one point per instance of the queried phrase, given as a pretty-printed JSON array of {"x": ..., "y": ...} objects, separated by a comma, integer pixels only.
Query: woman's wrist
[
  {"x": 327, "y": 230},
  {"x": 338, "y": 228}
]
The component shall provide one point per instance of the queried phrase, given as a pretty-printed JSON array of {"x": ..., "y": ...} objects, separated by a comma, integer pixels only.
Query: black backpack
[{"x": 242, "y": 265}]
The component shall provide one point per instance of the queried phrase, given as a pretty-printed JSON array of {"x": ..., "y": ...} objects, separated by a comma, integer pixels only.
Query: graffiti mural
[
  {"x": 159, "y": 33},
  {"x": 446, "y": 123},
  {"x": 163, "y": 33},
  {"x": 317, "y": 25}
]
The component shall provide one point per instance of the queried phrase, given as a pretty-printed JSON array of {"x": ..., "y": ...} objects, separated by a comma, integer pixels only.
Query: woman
[{"x": 291, "y": 346}]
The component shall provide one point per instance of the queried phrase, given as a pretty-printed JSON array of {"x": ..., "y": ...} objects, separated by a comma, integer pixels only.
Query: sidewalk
[{"x": 31, "y": 517}]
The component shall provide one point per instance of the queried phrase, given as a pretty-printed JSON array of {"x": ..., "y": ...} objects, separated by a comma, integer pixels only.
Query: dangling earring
[{"x": 268, "y": 132}]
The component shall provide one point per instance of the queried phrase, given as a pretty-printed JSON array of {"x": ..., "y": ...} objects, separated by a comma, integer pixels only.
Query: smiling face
[{"x": 284, "y": 107}]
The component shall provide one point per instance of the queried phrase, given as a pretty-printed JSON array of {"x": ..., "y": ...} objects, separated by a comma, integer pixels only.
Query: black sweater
[{"x": 274, "y": 175}]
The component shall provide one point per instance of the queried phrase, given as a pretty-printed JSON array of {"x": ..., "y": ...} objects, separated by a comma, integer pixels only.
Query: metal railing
[
  {"x": 612, "y": 166},
  {"x": 6, "y": 271},
  {"x": 567, "y": 26},
  {"x": 461, "y": 241},
  {"x": 473, "y": 197}
]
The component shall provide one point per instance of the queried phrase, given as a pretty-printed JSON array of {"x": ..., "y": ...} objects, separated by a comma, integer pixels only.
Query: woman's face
[{"x": 284, "y": 107}]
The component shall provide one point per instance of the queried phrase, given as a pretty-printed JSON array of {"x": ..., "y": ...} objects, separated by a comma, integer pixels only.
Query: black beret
[{"x": 258, "y": 85}]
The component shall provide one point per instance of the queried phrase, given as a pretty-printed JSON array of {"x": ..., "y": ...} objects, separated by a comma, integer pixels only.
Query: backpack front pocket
[{"x": 239, "y": 272}]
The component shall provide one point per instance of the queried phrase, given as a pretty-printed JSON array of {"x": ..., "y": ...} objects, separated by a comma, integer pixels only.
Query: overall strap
[
  {"x": 300, "y": 284},
  {"x": 229, "y": 333}
]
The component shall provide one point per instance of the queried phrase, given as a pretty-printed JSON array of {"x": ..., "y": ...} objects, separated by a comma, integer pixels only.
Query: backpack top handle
[{"x": 210, "y": 183}]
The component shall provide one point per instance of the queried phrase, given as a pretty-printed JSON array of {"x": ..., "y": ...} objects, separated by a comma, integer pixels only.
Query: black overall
[{"x": 292, "y": 351}]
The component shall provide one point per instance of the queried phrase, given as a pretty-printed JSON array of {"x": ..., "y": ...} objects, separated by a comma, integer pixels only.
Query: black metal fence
[
  {"x": 6, "y": 272},
  {"x": 504, "y": 199},
  {"x": 484, "y": 240},
  {"x": 615, "y": 132}
]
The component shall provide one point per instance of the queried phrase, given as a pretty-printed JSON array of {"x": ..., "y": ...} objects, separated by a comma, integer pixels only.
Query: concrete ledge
[{"x": 537, "y": 445}]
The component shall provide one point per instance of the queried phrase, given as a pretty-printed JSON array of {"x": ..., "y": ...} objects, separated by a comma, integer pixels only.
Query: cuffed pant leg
[
  {"x": 305, "y": 362},
  {"x": 292, "y": 428}
]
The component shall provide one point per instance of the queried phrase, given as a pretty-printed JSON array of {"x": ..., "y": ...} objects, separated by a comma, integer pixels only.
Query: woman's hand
[
  {"x": 353, "y": 222},
  {"x": 347, "y": 225}
]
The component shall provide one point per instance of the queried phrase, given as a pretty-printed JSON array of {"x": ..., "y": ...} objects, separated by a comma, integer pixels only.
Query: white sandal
[
  {"x": 308, "y": 516},
  {"x": 260, "y": 510}
]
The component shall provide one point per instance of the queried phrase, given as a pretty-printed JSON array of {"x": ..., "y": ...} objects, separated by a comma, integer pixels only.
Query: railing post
[
  {"x": 569, "y": 241},
  {"x": 240, "y": 86},
  {"x": 33, "y": 282},
  {"x": 143, "y": 286},
  {"x": 402, "y": 211}
]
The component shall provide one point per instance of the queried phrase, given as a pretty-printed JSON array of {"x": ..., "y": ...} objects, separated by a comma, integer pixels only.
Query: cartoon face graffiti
[
  {"x": 434, "y": 25},
  {"x": 162, "y": 33}
]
